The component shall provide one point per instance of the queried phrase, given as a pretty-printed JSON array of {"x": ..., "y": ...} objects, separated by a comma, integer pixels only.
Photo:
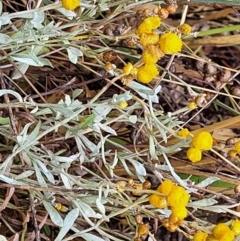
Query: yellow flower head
[
  {"x": 148, "y": 25},
  {"x": 237, "y": 147},
  {"x": 220, "y": 229},
  {"x": 184, "y": 133},
  {"x": 194, "y": 154},
  {"x": 170, "y": 43},
  {"x": 200, "y": 236},
  {"x": 192, "y": 105},
  {"x": 165, "y": 187},
  {"x": 123, "y": 104},
  {"x": 185, "y": 29},
  {"x": 228, "y": 236},
  {"x": 151, "y": 54},
  {"x": 235, "y": 226},
  {"x": 158, "y": 201},
  {"x": 147, "y": 39},
  {"x": 130, "y": 69},
  {"x": 179, "y": 212},
  {"x": 147, "y": 73},
  {"x": 203, "y": 141},
  {"x": 178, "y": 197},
  {"x": 70, "y": 4},
  {"x": 142, "y": 229}
]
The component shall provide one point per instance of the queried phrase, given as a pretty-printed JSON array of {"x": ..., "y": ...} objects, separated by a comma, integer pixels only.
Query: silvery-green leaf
[
  {"x": 101, "y": 111},
  {"x": 107, "y": 129},
  {"x": 9, "y": 180},
  {"x": 145, "y": 92},
  {"x": 89, "y": 144},
  {"x": 53, "y": 213},
  {"x": 100, "y": 206},
  {"x": 1, "y": 7},
  {"x": 67, "y": 13},
  {"x": 33, "y": 135},
  {"x": 26, "y": 59},
  {"x": 139, "y": 167},
  {"x": 66, "y": 181},
  {"x": 44, "y": 62},
  {"x": 18, "y": 74},
  {"x": 39, "y": 176},
  {"x": 206, "y": 202},
  {"x": 73, "y": 54},
  {"x": 208, "y": 181},
  {"x": 38, "y": 19},
  {"x": 4, "y": 39},
  {"x": 123, "y": 97},
  {"x": 4, "y": 19},
  {"x": 24, "y": 174},
  {"x": 125, "y": 166},
  {"x": 76, "y": 93},
  {"x": 2, "y": 238},
  {"x": 68, "y": 100},
  {"x": 46, "y": 172},
  {"x": 152, "y": 150},
  {"x": 11, "y": 92},
  {"x": 133, "y": 119},
  {"x": 22, "y": 137},
  {"x": 87, "y": 210},
  {"x": 67, "y": 223}
]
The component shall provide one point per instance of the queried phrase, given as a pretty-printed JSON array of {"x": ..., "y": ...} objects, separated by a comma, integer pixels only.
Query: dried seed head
[
  {"x": 109, "y": 67},
  {"x": 208, "y": 96},
  {"x": 218, "y": 85},
  {"x": 138, "y": 239},
  {"x": 200, "y": 100},
  {"x": 200, "y": 65},
  {"x": 131, "y": 182},
  {"x": 230, "y": 141},
  {"x": 138, "y": 219},
  {"x": 225, "y": 75},
  {"x": 121, "y": 185},
  {"x": 238, "y": 208},
  {"x": 108, "y": 31},
  {"x": 109, "y": 56},
  {"x": 146, "y": 12},
  {"x": 232, "y": 154},
  {"x": 127, "y": 79},
  {"x": 163, "y": 13},
  {"x": 142, "y": 229},
  {"x": 156, "y": 9},
  {"x": 235, "y": 91},
  {"x": 131, "y": 42},
  {"x": 210, "y": 69},
  {"x": 209, "y": 78},
  {"x": 172, "y": 8},
  {"x": 147, "y": 185}
]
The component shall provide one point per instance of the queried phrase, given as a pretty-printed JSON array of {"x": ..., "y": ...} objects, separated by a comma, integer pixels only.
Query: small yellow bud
[
  {"x": 194, "y": 154},
  {"x": 185, "y": 29},
  {"x": 192, "y": 105},
  {"x": 70, "y": 4},
  {"x": 123, "y": 104}
]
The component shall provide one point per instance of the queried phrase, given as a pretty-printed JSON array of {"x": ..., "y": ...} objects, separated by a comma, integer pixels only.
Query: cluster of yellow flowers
[
  {"x": 154, "y": 46},
  {"x": 221, "y": 232},
  {"x": 235, "y": 151},
  {"x": 70, "y": 4},
  {"x": 202, "y": 141},
  {"x": 175, "y": 197}
]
